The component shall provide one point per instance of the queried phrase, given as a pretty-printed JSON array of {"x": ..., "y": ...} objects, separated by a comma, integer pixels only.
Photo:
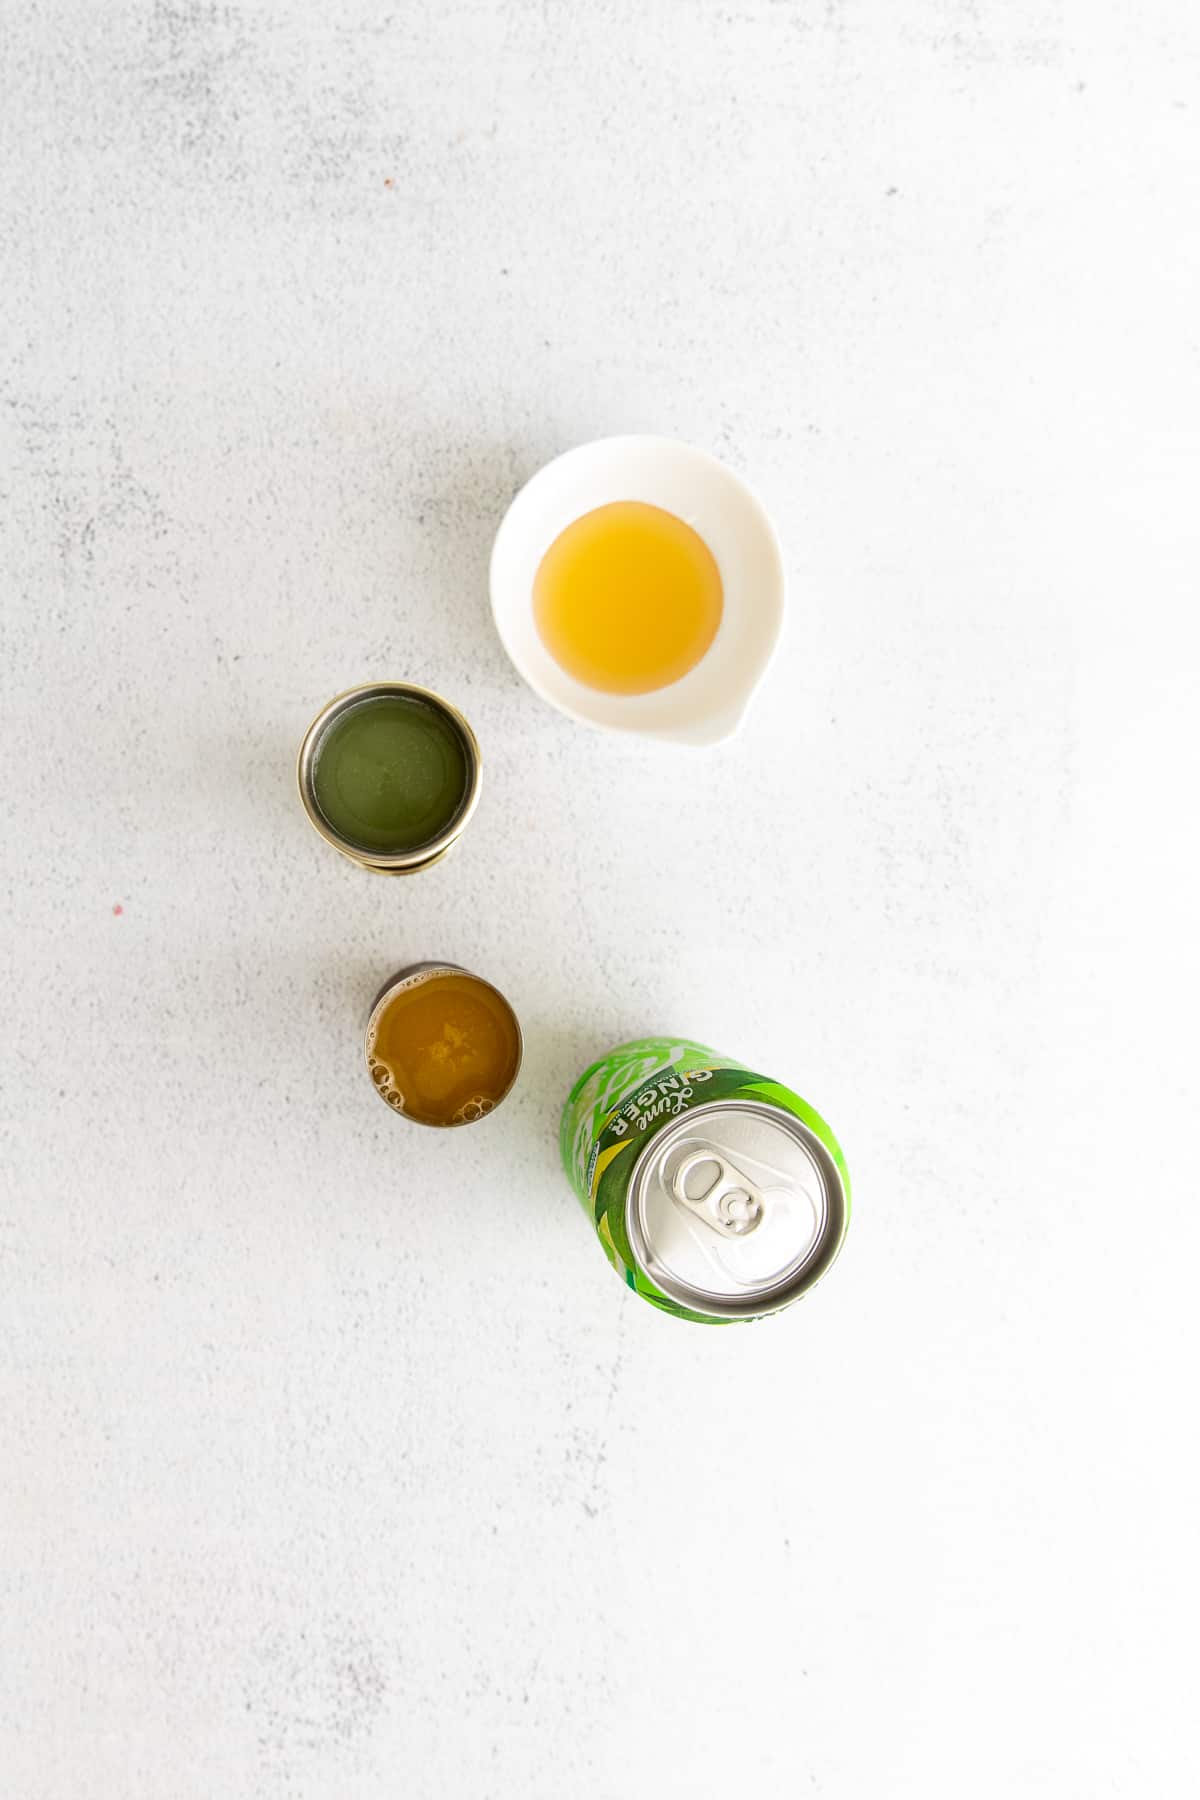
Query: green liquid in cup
[{"x": 391, "y": 774}]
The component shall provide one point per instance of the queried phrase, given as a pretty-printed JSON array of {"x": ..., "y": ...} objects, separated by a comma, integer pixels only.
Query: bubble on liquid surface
[{"x": 475, "y": 1108}]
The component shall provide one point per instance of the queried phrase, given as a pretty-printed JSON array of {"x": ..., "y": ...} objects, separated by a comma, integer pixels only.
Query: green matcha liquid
[{"x": 391, "y": 774}]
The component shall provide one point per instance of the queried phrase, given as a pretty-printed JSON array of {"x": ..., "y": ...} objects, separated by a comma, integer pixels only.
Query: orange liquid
[
  {"x": 443, "y": 1049},
  {"x": 628, "y": 598}
]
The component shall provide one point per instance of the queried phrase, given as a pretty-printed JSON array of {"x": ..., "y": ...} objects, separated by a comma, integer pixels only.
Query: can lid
[{"x": 735, "y": 1208}]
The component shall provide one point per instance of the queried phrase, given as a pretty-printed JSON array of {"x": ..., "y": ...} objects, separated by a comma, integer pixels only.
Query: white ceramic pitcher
[{"x": 707, "y": 704}]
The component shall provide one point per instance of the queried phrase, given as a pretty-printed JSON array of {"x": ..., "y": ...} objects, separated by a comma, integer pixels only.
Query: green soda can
[{"x": 717, "y": 1194}]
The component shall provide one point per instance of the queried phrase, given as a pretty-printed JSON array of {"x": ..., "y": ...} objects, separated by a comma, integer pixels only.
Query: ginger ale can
[{"x": 717, "y": 1193}]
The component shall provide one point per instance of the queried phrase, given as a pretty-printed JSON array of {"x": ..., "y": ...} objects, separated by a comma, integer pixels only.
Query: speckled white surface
[{"x": 335, "y": 1464}]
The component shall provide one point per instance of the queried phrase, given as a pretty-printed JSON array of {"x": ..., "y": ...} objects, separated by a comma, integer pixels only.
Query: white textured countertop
[{"x": 334, "y": 1462}]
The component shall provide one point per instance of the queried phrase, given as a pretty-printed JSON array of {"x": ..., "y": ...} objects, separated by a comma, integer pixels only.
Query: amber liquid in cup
[
  {"x": 628, "y": 598},
  {"x": 443, "y": 1046}
]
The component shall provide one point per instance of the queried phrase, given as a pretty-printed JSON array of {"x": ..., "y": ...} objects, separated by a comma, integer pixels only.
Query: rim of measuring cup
[{"x": 422, "y": 855}]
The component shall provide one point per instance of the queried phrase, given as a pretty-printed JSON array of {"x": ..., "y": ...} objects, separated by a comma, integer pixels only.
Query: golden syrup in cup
[{"x": 628, "y": 598}]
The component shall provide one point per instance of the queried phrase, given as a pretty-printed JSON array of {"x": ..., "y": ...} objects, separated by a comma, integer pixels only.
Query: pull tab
[{"x": 731, "y": 1204}]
